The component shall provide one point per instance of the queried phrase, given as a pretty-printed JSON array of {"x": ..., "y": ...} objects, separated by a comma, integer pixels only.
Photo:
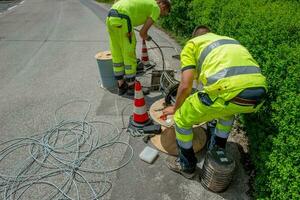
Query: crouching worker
[
  {"x": 122, "y": 17},
  {"x": 231, "y": 82}
]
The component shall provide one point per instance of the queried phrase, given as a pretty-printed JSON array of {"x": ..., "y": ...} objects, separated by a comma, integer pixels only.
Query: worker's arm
[
  {"x": 188, "y": 63},
  {"x": 184, "y": 90},
  {"x": 145, "y": 28},
  {"x": 185, "y": 87}
]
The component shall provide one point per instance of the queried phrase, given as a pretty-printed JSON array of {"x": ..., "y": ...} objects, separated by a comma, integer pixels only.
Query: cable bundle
[{"x": 61, "y": 162}]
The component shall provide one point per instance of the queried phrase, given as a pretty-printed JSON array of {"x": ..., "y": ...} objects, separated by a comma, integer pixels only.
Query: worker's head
[
  {"x": 200, "y": 30},
  {"x": 165, "y": 7}
]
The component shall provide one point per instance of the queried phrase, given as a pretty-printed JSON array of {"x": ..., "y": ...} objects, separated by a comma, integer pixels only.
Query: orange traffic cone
[
  {"x": 140, "y": 116},
  {"x": 144, "y": 57}
]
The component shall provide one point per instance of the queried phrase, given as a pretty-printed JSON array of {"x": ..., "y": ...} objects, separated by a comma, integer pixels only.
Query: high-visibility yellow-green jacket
[
  {"x": 138, "y": 10},
  {"x": 222, "y": 65}
]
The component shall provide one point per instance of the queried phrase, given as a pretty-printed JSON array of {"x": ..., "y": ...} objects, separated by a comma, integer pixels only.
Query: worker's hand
[
  {"x": 149, "y": 38},
  {"x": 170, "y": 110},
  {"x": 145, "y": 28},
  {"x": 143, "y": 35}
]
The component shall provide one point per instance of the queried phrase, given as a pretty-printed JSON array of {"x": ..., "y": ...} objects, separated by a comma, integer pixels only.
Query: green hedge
[{"x": 270, "y": 29}]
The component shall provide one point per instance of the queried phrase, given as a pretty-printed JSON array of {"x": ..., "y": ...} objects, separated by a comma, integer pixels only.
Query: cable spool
[
  {"x": 217, "y": 171},
  {"x": 105, "y": 66},
  {"x": 169, "y": 86}
]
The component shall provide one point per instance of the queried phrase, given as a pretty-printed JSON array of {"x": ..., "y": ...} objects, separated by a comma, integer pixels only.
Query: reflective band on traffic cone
[
  {"x": 140, "y": 114},
  {"x": 145, "y": 58}
]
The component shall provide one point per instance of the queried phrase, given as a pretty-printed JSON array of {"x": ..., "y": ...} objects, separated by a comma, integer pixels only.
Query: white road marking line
[{"x": 12, "y": 7}]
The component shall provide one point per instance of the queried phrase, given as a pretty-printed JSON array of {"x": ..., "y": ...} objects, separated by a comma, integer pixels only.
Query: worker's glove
[{"x": 149, "y": 38}]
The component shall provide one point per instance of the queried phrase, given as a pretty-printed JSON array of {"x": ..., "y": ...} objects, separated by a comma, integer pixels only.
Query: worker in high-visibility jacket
[
  {"x": 231, "y": 82},
  {"x": 122, "y": 17}
]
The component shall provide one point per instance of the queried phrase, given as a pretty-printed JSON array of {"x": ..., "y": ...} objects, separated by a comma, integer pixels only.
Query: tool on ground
[
  {"x": 177, "y": 56},
  {"x": 148, "y": 154},
  {"x": 147, "y": 138},
  {"x": 218, "y": 170},
  {"x": 152, "y": 129},
  {"x": 159, "y": 109}
]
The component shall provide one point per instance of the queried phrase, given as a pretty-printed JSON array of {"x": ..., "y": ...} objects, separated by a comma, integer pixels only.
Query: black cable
[
  {"x": 162, "y": 47},
  {"x": 161, "y": 52}
]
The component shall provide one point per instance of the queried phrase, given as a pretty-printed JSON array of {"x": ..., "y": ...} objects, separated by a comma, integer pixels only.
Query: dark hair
[
  {"x": 167, "y": 3},
  {"x": 200, "y": 30}
]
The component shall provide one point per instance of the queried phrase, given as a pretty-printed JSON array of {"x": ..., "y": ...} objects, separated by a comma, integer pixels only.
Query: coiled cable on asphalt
[{"x": 65, "y": 152}]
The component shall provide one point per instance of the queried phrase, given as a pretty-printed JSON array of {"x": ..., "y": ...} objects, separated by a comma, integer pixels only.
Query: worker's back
[
  {"x": 138, "y": 10},
  {"x": 224, "y": 66}
]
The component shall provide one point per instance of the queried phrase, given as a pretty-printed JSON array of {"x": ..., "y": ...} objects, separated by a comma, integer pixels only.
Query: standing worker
[
  {"x": 232, "y": 83},
  {"x": 122, "y": 17}
]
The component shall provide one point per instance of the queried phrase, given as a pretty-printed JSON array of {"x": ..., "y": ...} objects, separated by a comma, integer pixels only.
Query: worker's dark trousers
[{"x": 188, "y": 161}]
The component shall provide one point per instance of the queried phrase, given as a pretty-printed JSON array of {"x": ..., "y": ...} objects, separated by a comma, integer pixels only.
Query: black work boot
[
  {"x": 122, "y": 89},
  {"x": 221, "y": 142},
  {"x": 216, "y": 141},
  {"x": 130, "y": 90}
]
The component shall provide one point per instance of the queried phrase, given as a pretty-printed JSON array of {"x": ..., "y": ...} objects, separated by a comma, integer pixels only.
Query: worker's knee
[{"x": 184, "y": 116}]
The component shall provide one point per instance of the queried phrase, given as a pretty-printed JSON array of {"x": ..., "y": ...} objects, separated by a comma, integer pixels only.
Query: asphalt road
[
  {"x": 7, "y": 4},
  {"x": 47, "y": 53},
  {"x": 47, "y": 50}
]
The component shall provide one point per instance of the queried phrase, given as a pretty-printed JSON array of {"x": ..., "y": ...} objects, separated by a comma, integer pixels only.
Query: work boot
[
  {"x": 173, "y": 164},
  {"x": 216, "y": 141},
  {"x": 130, "y": 90},
  {"x": 122, "y": 89},
  {"x": 221, "y": 142}
]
